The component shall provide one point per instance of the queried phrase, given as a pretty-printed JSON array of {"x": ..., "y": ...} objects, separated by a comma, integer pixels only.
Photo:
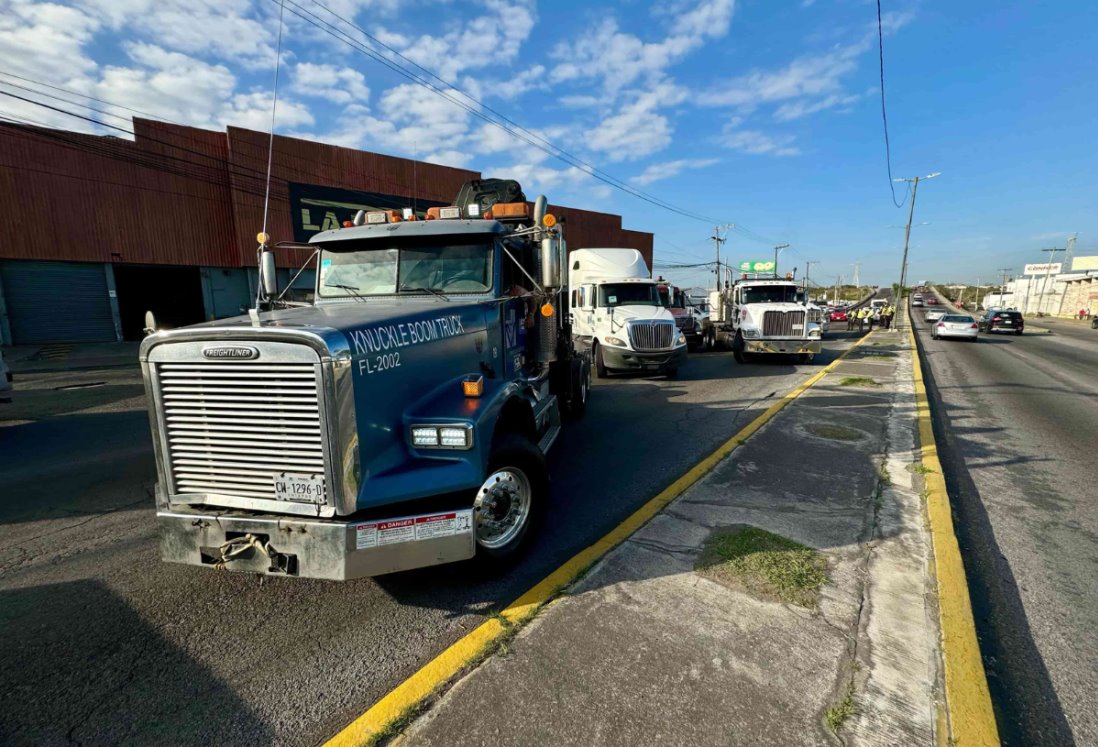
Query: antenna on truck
[{"x": 268, "y": 285}]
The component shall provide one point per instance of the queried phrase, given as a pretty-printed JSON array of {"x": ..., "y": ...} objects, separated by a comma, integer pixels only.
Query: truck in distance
[
  {"x": 399, "y": 421},
  {"x": 765, "y": 316},
  {"x": 617, "y": 315},
  {"x": 690, "y": 320}
]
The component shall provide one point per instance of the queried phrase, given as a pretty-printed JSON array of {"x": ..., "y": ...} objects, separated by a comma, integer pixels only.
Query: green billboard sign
[{"x": 757, "y": 266}]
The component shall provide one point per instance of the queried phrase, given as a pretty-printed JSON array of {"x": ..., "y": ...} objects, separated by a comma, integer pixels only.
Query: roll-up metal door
[{"x": 57, "y": 302}]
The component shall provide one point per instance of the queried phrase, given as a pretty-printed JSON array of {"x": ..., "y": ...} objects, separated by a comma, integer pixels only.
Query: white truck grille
[
  {"x": 231, "y": 427},
  {"x": 783, "y": 324},
  {"x": 647, "y": 336}
]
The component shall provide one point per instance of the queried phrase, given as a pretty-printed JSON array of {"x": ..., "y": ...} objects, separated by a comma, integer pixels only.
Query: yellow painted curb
[
  {"x": 968, "y": 702},
  {"x": 408, "y": 695}
]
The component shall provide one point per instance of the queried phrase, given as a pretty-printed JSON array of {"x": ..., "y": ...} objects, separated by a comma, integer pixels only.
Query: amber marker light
[
  {"x": 262, "y": 238},
  {"x": 547, "y": 309},
  {"x": 549, "y": 220},
  {"x": 473, "y": 386}
]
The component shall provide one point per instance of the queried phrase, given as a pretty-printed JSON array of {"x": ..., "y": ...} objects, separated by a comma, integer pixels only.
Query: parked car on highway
[
  {"x": 931, "y": 301},
  {"x": 935, "y": 315},
  {"x": 837, "y": 315},
  {"x": 917, "y": 299},
  {"x": 5, "y": 380},
  {"x": 957, "y": 326},
  {"x": 999, "y": 320}
]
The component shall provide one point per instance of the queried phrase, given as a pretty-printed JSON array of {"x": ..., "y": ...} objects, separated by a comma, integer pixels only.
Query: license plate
[
  {"x": 303, "y": 488},
  {"x": 1006, "y": 324}
]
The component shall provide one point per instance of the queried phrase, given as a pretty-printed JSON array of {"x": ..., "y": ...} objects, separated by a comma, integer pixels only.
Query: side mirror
[{"x": 268, "y": 276}]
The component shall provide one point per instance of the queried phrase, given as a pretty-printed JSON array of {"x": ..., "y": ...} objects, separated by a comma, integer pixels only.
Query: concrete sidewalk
[{"x": 649, "y": 648}]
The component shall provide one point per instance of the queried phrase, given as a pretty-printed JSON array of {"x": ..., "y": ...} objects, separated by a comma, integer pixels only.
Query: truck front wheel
[
  {"x": 600, "y": 365},
  {"x": 511, "y": 499},
  {"x": 738, "y": 352}
]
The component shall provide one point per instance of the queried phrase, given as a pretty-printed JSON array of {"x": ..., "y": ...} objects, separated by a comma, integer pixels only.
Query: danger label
[{"x": 381, "y": 533}]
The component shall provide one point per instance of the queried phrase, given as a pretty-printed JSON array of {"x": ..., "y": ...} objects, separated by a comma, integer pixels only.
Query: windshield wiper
[
  {"x": 351, "y": 288},
  {"x": 421, "y": 289}
]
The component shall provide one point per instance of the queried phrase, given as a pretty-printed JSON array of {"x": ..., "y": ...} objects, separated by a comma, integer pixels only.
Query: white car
[
  {"x": 955, "y": 326},
  {"x": 935, "y": 314},
  {"x": 5, "y": 380}
]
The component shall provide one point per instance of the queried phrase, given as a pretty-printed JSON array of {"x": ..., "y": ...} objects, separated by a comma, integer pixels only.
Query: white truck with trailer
[
  {"x": 617, "y": 314},
  {"x": 765, "y": 316}
]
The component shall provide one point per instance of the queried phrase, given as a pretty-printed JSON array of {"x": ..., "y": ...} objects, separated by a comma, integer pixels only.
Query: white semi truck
[
  {"x": 765, "y": 316},
  {"x": 617, "y": 314}
]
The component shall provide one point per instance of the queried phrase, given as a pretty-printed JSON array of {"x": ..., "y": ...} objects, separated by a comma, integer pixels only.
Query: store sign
[
  {"x": 756, "y": 266},
  {"x": 1043, "y": 269},
  {"x": 1084, "y": 263},
  {"x": 314, "y": 208}
]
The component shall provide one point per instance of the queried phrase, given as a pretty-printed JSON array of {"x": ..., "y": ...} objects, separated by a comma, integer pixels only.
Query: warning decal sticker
[{"x": 432, "y": 526}]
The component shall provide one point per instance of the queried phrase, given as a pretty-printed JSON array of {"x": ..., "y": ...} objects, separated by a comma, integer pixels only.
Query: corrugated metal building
[{"x": 98, "y": 229}]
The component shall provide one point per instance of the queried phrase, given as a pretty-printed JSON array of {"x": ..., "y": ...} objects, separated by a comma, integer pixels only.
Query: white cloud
[
  {"x": 803, "y": 107},
  {"x": 620, "y": 59},
  {"x": 756, "y": 142},
  {"x": 668, "y": 169},
  {"x": 340, "y": 85},
  {"x": 45, "y": 40}
]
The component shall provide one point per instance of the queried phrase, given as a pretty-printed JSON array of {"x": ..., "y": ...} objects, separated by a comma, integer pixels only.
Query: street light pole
[
  {"x": 1044, "y": 282},
  {"x": 907, "y": 229},
  {"x": 777, "y": 251}
]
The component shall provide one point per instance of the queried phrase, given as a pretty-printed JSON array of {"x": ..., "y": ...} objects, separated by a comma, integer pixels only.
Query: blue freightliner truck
[{"x": 400, "y": 420}]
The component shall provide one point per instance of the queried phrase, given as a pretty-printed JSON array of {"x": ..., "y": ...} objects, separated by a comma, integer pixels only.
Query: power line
[
  {"x": 516, "y": 131},
  {"x": 884, "y": 113}
]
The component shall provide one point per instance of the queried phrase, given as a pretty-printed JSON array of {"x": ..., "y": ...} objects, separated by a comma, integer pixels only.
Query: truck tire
[
  {"x": 512, "y": 498},
  {"x": 600, "y": 366},
  {"x": 738, "y": 350},
  {"x": 580, "y": 388}
]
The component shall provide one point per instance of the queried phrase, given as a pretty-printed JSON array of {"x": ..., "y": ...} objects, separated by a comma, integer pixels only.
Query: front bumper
[
  {"x": 783, "y": 346},
  {"x": 630, "y": 360},
  {"x": 316, "y": 548}
]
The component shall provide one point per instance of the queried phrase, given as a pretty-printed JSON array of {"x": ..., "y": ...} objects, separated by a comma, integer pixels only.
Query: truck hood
[
  {"x": 352, "y": 326},
  {"x": 626, "y": 313}
]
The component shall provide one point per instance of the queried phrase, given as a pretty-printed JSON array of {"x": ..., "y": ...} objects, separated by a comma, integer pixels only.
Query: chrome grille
[
  {"x": 648, "y": 336},
  {"x": 781, "y": 324},
  {"x": 684, "y": 321},
  {"x": 815, "y": 315},
  {"x": 231, "y": 427}
]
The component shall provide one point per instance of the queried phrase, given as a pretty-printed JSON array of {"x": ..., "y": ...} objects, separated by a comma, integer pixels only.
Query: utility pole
[
  {"x": 1044, "y": 281},
  {"x": 807, "y": 267},
  {"x": 777, "y": 250},
  {"x": 1002, "y": 288},
  {"x": 718, "y": 240},
  {"x": 907, "y": 229},
  {"x": 1067, "y": 263},
  {"x": 857, "y": 278}
]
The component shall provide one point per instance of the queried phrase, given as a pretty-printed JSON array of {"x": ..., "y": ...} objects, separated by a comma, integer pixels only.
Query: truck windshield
[
  {"x": 378, "y": 268},
  {"x": 628, "y": 294},
  {"x": 769, "y": 294}
]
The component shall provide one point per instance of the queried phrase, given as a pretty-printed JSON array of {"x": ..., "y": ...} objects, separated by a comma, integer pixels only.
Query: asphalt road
[
  {"x": 1016, "y": 420},
  {"x": 103, "y": 644}
]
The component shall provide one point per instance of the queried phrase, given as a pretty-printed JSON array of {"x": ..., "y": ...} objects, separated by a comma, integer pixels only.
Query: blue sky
[{"x": 761, "y": 113}]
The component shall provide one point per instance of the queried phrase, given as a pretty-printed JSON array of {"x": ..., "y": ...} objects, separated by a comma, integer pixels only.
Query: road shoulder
[{"x": 646, "y": 648}]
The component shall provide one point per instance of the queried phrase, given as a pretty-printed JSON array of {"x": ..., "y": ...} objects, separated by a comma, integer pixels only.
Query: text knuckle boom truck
[
  {"x": 400, "y": 421},
  {"x": 766, "y": 316},
  {"x": 617, "y": 315}
]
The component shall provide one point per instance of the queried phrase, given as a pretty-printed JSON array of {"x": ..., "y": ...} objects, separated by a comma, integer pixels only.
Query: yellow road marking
[
  {"x": 968, "y": 702},
  {"x": 408, "y": 695}
]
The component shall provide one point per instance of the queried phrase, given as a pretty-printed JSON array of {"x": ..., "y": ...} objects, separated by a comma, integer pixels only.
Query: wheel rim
[
  {"x": 583, "y": 390},
  {"x": 502, "y": 507}
]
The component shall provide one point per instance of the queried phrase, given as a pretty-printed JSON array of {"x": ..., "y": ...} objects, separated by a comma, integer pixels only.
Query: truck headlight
[
  {"x": 615, "y": 341},
  {"x": 750, "y": 332},
  {"x": 442, "y": 436},
  {"x": 814, "y": 332},
  {"x": 681, "y": 340}
]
